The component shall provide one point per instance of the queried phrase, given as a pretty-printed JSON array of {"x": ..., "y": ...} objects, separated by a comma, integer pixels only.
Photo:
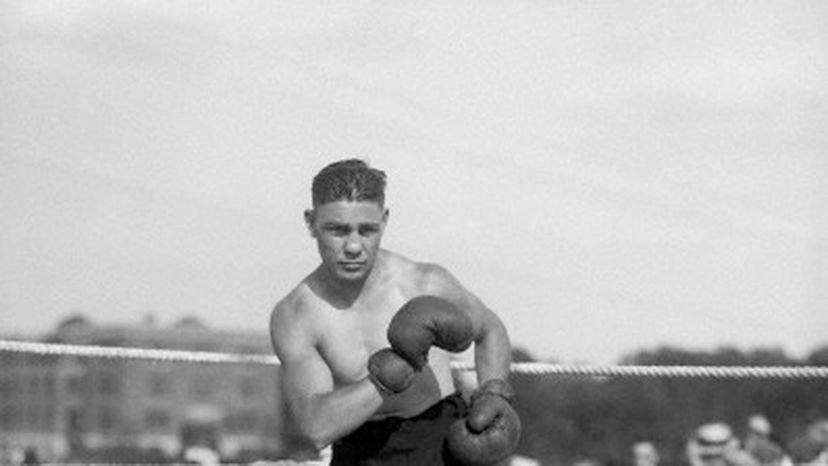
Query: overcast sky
[{"x": 608, "y": 176}]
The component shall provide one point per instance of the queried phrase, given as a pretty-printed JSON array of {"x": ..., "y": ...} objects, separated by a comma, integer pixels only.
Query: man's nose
[{"x": 353, "y": 246}]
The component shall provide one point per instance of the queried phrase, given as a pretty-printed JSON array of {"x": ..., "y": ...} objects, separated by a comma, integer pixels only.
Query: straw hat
[{"x": 712, "y": 439}]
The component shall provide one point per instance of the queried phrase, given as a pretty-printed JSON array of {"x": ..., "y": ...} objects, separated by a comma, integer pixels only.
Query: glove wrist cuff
[
  {"x": 383, "y": 390},
  {"x": 495, "y": 387},
  {"x": 389, "y": 372}
]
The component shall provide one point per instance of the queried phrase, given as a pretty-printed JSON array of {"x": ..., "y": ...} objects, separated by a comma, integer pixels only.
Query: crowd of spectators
[{"x": 717, "y": 444}]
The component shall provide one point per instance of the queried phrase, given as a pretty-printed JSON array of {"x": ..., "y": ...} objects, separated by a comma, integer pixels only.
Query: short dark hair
[{"x": 351, "y": 180}]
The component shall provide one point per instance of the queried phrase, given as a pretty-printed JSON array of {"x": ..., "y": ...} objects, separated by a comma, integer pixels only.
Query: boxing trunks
[{"x": 396, "y": 441}]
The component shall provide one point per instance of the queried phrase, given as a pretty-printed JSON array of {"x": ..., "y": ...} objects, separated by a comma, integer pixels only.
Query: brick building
[{"x": 64, "y": 406}]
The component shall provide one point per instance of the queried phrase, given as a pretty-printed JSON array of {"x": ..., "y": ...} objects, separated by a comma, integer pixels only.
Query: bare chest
[{"x": 350, "y": 336}]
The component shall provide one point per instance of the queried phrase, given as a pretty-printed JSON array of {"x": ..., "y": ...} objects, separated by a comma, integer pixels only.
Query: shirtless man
[{"x": 327, "y": 329}]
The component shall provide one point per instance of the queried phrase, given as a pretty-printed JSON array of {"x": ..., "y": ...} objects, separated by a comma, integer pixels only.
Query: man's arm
[
  {"x": 492, "y": 348},
  {"x": 323, "y": 412},
  {"x": 490, "y": 432}
]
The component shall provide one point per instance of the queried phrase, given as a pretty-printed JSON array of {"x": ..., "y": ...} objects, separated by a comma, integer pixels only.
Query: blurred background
[{"x": 619, "y": 181}]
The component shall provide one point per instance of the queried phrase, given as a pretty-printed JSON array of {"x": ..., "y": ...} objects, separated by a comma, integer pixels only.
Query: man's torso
[{"x": 345, "y": 335}]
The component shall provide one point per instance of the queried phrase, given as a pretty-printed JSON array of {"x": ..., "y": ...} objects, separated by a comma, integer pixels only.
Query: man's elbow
[
  {"x": 316, "y": 434},
  {"x": 493, "y": 330},
  {"x": 320, "y": 441}
]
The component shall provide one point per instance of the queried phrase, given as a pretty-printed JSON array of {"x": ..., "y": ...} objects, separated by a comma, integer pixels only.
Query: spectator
[
  {"x": 807, "y": 450},
  {"x": 713, "y": 444},
  {"x": 761, "y": 443},
  {"x": 30, "y": 456},
  {"x": 201, "y": 455},
  {"x": 818, "y": 430},
  {"x": 645, "y": 454}
]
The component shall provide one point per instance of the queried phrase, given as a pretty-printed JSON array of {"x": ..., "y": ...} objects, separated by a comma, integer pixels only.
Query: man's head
[
  {"x": 348, "y": 218},
  {"x": 348, "y": 180},
  {"x": 808, "y": 451},
  {"x": 714, "y": 444},
  {"x": 759, "y": 424},
  {"x": 644, "y": 453}
]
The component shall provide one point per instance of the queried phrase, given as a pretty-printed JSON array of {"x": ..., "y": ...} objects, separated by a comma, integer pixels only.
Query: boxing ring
[
  {"x": 222, "y": 361},
  {"x": 524, "y": 368}
]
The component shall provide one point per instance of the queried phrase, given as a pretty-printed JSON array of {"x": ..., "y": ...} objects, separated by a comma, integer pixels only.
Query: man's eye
[
  {"x": 365, "y": 231},
  {"x": 337, "y": 230}
]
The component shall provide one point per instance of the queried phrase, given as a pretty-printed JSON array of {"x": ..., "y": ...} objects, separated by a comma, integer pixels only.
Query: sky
[{"x": 606, "y": 176}]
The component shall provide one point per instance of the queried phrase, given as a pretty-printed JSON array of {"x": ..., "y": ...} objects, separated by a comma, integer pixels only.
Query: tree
[{"x": 570, "y": 417}]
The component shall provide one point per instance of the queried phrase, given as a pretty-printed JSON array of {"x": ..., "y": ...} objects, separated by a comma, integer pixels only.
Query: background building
[{"x": 67, "y": 407}]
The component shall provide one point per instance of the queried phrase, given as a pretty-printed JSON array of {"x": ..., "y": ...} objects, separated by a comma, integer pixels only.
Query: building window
[
  {"x": 11, "y": 359},
  {"x": 11, "y": 388},
  {"x": 9, "y": 418},
  {"x": 49, "y": 386},
  {"x": 75, "y": 385},
  {"x": 106, "y": 420},
  {"x": 31, "y": 417},
  {"x": 202, "y": 386},
  {"x": 159, "y": 385},
  {"x": 250, "y": 387},
  {"x": 245, "y": 421},
  {"x": 34, "y": 386},
  {"x": 108, "y": 384},
  {"x": 74, "y": 419},
  {"x": 49, "y": 417},
  {"x": 157, "y": 420}
]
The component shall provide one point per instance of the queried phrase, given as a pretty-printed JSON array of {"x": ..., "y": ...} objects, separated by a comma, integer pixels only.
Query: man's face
[
  {"x": 348, "y": 236},
  {"x": 644, "y": 454}
]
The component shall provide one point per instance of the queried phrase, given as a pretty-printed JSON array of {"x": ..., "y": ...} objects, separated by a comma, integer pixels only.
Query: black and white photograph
[{"x": 513, "y": 233}]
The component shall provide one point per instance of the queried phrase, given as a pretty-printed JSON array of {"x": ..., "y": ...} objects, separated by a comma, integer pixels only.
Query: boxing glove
[
  {"x": 425, "y": 321},
  {"x": 389, "y": 371},
  {"x": 491, "y": 430}
]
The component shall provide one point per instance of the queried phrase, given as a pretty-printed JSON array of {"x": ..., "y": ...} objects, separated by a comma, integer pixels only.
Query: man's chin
[{"x": 351, "y": 275}]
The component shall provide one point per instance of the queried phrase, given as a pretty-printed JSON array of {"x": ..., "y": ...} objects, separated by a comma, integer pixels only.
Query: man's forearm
[
  {"x": 327, "y": 417},
  {"x": 493, "y": 354}
]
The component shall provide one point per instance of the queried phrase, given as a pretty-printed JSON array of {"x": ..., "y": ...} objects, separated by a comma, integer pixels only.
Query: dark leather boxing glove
[
  {"x": 389, "y": 371},
  {"x": 425, "y": 321},
  {"x": 491, "y": 430}
]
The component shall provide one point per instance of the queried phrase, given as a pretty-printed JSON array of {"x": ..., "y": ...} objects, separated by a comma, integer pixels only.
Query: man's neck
[{"x": 340, "y": 293}]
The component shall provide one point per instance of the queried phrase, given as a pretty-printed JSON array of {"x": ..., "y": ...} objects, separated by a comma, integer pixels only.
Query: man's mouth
[{"x": 351, "y": 265}]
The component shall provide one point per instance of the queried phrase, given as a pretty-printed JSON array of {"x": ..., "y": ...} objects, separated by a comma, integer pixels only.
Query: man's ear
[
  {"x": 385, "y": 215},
  {"x": 309, "y": 218}
]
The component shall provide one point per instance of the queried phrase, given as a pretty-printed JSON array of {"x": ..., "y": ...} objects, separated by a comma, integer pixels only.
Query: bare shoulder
[
  {"x": 432, "y": 278},
  {"x": 291, "y": 321},
  {"x": 395, "y": 261},
  {"x": 416, "y": 277},
  {"x": 289, "y": 309},
  {"x": 435, "y": 279}
]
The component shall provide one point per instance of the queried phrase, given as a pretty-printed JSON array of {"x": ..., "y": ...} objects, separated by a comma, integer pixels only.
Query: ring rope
[
  {"x": 158, "y": 355},
  {"x": 526, "y": 368}
]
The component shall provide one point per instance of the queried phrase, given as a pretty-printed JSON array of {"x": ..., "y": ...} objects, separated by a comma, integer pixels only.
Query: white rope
[
  {"x": 159, "y": 355},
  {"x": 715, "y": 372},
  {"x": 525, "y": 368}
]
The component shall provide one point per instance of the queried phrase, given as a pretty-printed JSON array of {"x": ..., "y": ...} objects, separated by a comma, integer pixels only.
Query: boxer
[{"x": 365, "y": 342}]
